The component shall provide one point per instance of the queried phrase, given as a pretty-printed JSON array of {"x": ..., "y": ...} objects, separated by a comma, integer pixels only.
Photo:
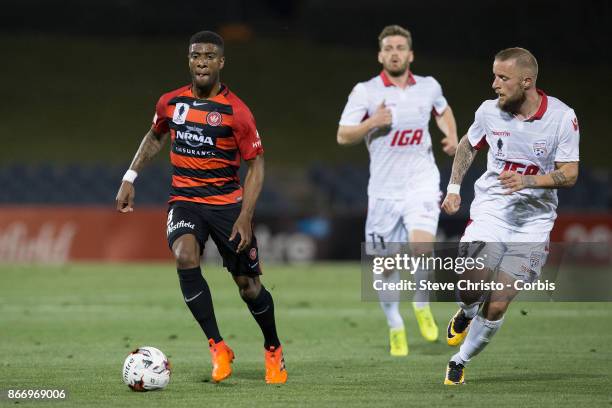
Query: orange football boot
[
  {"x": 222, "y": 357},
  {"x": 275, "y": 366}
]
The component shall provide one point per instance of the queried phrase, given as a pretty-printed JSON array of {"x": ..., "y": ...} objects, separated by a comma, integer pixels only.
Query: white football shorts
[
  {"x": 390, "y": 221},
  {"x": 520, "y": 255}
]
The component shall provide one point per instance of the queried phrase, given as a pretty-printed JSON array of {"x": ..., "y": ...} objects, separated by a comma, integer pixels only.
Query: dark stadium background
[{"x": 80, "y": 81}]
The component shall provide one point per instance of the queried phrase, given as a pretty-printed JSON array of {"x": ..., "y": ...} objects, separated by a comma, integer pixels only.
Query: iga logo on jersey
[
  {"x": 180, "y": 113},
  {"x": 214, "y": 118},
  {"x": 539, "y": 148}
]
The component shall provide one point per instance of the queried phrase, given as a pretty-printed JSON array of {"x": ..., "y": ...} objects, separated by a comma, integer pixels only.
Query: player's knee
[
  {"x": 186, "y": 258},
  {"x": 422, "y": 248},
  {"x": 248, "y": 288}
]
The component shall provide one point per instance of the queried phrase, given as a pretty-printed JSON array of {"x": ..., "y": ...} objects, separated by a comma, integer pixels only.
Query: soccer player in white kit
[
  {"x": 533, "y": 150},
  {"x": 391, "y": 113}
]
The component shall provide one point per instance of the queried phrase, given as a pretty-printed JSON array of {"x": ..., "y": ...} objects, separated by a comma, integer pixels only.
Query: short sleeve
[
  {"x": 569, "y": 138},
  {"x": 356, "y": 109},
  {"x": 245, "y": 133},
  {"x": 477, "y": 134},
  {"x": 439, "y": 101},
  {"x": 160, "y": 120}
]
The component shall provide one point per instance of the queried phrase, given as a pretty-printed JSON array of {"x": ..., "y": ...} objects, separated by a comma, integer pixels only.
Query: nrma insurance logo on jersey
[
  {"x": 173, "y": 226},
  {"x": 194, "y": 137}
]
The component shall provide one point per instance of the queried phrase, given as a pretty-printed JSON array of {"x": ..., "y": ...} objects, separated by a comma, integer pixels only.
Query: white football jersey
[
  {"x": 401, "y": 161},
  {"x": 529, "y": 147}
]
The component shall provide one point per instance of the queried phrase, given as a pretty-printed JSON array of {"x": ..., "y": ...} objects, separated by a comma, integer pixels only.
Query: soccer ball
[{"x": 146, "y": 369}]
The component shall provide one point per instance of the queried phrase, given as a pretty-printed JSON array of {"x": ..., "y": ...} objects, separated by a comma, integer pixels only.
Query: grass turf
[{"x": 70, "y": 327}]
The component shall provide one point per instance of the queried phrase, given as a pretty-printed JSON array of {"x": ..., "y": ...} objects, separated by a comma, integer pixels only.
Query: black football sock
[
  {"x": 196, "y": 294},
  {"x": 262, "y": 309}
]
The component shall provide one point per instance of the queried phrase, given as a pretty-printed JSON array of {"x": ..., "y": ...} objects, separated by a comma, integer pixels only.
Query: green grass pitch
[{"x": 70, "y": 327}]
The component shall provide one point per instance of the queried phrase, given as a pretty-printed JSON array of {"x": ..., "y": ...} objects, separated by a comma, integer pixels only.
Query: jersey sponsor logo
[
  {"x": 575, "y": 124},
  {"x": 199, "y": 153},
  {"x": 214, "y": 118},
  {"x": 257, "y": 143},
  {"x": 180, "y": 113},
  {"x": 527, "y": 170},
  {"x": 172, "y": 226},
  {"x": 539, "y": 148},
  {"x": 194, "y": 137},
  {"x": 407, "y": 137},
  {"x": 196, "y": 103},
  {"x": 501, "y": 133}
]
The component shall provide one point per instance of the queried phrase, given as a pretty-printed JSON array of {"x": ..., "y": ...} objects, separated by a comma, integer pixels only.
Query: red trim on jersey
[
  {"x": 543, "y": 106},
  {"x": 244, "y": 128},
  {"x": 482, "y": 143},
  {"x": 469, "y": 222},
  {"x": 387, "y": 82}
]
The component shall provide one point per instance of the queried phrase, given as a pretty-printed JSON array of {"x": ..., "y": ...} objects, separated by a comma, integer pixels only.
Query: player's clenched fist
[
  {"x": 125, "y": 197},
  {"x": 382, "y": 117},
  {"x": 451, "y": 203}
]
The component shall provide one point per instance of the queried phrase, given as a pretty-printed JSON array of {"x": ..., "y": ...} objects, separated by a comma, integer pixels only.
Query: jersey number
[{"x": 407, "y": 137}]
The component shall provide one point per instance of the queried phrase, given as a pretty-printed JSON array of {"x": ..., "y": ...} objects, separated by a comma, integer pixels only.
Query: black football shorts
[{"x": 201, "y": 220}]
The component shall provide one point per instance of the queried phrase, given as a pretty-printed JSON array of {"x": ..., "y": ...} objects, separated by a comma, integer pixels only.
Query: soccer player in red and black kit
[{"x": 210, "y": 130}]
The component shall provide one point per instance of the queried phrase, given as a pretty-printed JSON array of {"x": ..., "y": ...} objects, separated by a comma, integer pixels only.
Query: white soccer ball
[{"x": 146, "y": 369}]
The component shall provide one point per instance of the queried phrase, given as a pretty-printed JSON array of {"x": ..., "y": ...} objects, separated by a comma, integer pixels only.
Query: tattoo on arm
[
  {"x": 559, "y": 178},
  {"x": 463, "y": 160},
  {"x": 529, "y": 181},
  {"x": 151, "y": 145}
]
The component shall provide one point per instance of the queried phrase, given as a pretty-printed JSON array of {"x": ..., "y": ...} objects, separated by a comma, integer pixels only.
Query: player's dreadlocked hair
[
  {"x": 395, "y": 30},
  {"x": 208, "y": 37}
]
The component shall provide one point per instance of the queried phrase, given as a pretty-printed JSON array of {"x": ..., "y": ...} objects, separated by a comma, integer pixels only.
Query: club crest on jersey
[
  {"x": 539, "y": 148},
  {"x": 180, "y": 113},
  {"x": 214, "y": 118}
]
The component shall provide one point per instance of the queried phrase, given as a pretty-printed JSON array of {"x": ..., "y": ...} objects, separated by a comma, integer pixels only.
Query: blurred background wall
[{"x": 80, "y": 81}]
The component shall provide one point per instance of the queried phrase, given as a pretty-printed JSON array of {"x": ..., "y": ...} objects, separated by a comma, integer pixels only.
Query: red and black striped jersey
[{"x": 208, "y": 139}]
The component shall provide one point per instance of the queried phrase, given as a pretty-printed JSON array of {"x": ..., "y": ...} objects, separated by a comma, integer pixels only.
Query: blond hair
[
  {"x": 523, "y": 58},
  {"x": 395, "y": 30}
]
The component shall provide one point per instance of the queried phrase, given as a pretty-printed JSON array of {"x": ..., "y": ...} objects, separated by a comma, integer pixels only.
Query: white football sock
[
  {"x": 480, "y": 334},
  {"x": 469, "y": 310},
  {"x": 389, "y": 301},
  {"x": 421, "y": 297}
]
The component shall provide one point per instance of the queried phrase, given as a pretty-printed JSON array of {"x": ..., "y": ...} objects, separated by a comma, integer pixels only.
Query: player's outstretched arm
[
  {"x": 463, "y": 160},
  {"x": 151, "y": 145},
  {"x": 447, "y": 125},
  {"x": 565, "y": 175},
  {"x": 253, "y": 183},
  {"x": 380, "y": 120}
]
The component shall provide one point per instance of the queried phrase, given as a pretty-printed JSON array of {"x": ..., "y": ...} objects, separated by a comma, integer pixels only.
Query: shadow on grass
[{"x": 530, "y": 377}]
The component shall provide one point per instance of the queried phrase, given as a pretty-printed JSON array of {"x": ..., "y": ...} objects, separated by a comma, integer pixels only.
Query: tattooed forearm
[
  {"x": 151, "y": 145},
  {"x": 529, "y": 181},
  {"x": 559, "y": 178},
  {"x": 463, "y": 160}
]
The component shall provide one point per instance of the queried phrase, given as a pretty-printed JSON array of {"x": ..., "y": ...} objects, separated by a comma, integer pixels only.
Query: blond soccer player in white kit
[
  {"x": 533, "y": 150},
  {"x": 391, "y": 113}
]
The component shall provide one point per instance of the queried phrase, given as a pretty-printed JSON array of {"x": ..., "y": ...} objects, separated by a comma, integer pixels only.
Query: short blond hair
[
  {"x": 394, "y": 30},
  {"x": 523, "y": 58}
]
